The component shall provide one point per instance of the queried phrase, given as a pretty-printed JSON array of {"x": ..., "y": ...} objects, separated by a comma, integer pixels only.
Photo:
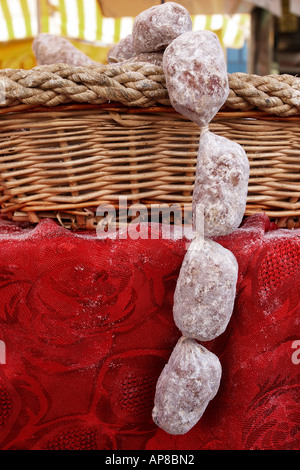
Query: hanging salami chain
[{"x": 197, "y": 82}]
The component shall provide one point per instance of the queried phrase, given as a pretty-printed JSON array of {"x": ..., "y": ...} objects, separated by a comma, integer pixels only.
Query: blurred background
[{"x": 260, "y": 37}]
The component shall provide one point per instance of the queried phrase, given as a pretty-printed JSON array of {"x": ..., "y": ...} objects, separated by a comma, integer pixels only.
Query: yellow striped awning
[{"x": 82, "y": 19}]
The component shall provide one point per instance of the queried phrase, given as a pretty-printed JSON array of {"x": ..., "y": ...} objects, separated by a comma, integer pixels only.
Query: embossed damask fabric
[{"x": 87, "y": 327}]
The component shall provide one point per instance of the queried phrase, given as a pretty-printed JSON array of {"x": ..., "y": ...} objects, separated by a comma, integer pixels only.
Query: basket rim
[{"x": 122, "y": 108}]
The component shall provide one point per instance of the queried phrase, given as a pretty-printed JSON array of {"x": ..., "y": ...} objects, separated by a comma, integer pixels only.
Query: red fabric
[{"x": 87, "y": 324}]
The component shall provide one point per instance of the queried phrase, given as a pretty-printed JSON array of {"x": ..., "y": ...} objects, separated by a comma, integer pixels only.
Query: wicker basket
[{"x": 61, "y": 157}]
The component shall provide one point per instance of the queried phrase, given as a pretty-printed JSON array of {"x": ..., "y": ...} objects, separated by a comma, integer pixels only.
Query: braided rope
[
  {"x": 273, "y": 94},
  {"x": 139, "y": 85}
]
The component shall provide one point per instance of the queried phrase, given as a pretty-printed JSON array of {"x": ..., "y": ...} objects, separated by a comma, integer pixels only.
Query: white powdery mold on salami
[
  {"x": 154, "y": 58},
  {"x": 51, "y": 49},
  {"x": 205, "y": 290},
  {"x": 188, "y": 382},
  {"x": 196, "y": 75},
  {"x": 122, "y": 50},
  {"x": 155, "y": 28},
  {"x": 221, "y": 183}
]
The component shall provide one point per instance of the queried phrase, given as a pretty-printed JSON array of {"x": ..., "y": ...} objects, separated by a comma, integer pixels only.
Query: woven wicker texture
[
  {"x": 64, "y": 162},
  {"x": 139, "y": 84}
]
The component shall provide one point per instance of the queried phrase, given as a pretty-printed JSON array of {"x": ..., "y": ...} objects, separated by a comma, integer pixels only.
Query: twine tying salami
[{"x": 138, "y": 85}]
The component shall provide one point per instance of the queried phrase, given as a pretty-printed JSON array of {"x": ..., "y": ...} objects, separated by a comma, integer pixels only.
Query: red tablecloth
[{"x": 87, "y": 327}]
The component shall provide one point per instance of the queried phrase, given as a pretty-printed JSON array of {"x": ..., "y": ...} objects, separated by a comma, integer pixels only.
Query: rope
[
  {"x": 273, "y": 94},
  {"x": 138, "y": 85}
]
